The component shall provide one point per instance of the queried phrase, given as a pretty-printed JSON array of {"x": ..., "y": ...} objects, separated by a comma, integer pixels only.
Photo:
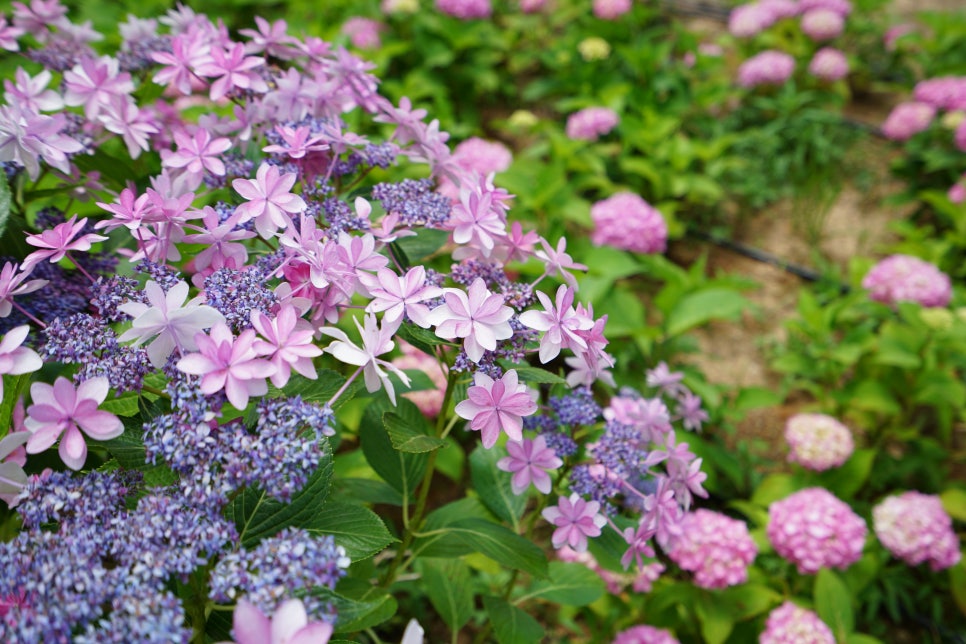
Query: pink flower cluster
[
  {"x": 944, "y": 93},
  {"x": 908, "y": 119},
  {"x": 829, "y": 64},
  {"x": 791, "y": 624},
  {"x": 641, "y": 578},
  {"x": 751, "y": 19},
  {"x": 611, "y": 9},
  {"x": 903, "y": 278},
  {"x": 482, "y": 156},
  {"x": 841, "y": 7},
  {"x": 813, "y": 529},
  {"x": 957, "y": 191},
  {"x": 822, "y": 24},
  {"x": 591, "y": 123},
  {"x": 715, "y": 547},
  {"x": 628, "y": 222},
  {"x": 818, "y": 442},
  {"x": 915, "y": 528},
  {"x": 363, "y": 33},
  {"x": 644, "y": 634},
  {"x": 465, "y": 9},
  {"x": 769, "y": 67}
]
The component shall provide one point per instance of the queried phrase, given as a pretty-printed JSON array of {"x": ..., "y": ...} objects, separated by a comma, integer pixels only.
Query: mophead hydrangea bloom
[
  {"x": 841, "y": 7},
  {"x": 908, "y": 119},
  {"x": 611, "y": 9},
  {"x": 903, "y": 278},
  {"x": 482, "y": 156},
  {"x": 791, "y": 624},
  {"x": 591, "y": 123},
  {"x": 465, "y": 9},
  {"x": 813, "y": 529},
  {"x": 749, "y": 20},
  {"x": 944, "y": 92},
  {"x": 829, "y": 64},
  {"x": 818, "y": 442},
  {"x": 822, "y": 24},
  {"x": 628, "y": 222},
  {"x": 363, "y": 33},
  {"x": 770, "y": 67},
  {"x": 715, "y": 547},
  {"x": 644, "y": 634},
  {"x": 915, "y": 528}
]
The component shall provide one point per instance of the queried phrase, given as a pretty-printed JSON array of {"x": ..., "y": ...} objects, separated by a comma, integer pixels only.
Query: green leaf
[
  {"x": 756, "y": 398},
  {"x": 126, "y": 405},
  {"x": 847, "y": 480},
  {"x": 407, "y": 438},
  {"x": 358, "y": 608},
  {"x": 366, "y": 491},
  {"x": 696, "y": 309},
  {"x": 833, "y": 603},
  {"x": 493, "y": 486},
  {"x": 423, "y": 339},
  {"x": 859, "y": 638},
  {"x": 501, "y": 545},
  {"x": 573, "y": 584},
  {"x": 716, "y": 618},
  {"x": 13, "y": 388},
  {"x": 773, "y": 488},
  {"x": 449, "y": 586},
  {"x": 437, "y": 539},
  {"x": 954, "y": 502},
  {"x": 318, "y": 391},
  {"x": 5, "y": 201},
  {"x": 957, "y": 580},
  {"x": 258, "y": 516},
  {"x": 510, "y": 624},
  {"x": 749, "y": 600},
  {"x": 424, "y": 244},
  {"x": 356, "y": 528},
  {"x": 400, "y": 470},
  {"x": 534, "y": 375}
]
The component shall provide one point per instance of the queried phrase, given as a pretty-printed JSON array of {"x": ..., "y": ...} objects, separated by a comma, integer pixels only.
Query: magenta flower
[
  {"x": 195, "y": 154},
  {"x": 12, "y": 283},
  {"x": 559, "y": 323},
  {"x": 31, "y": 93},
  {"x": 93, "y": 83},
  {"x": 287, "y": 342},
  {"x": 227, "y": 363},
  {"x": 916, "y": 528},
  {"x": 478, "y": 316},
  {"x": 14, "y": 358},
  {"x": 715, "y": 547},
  {"x": 591, "y": 123},
  {"x": 558, "y": 262},
  {"x": 791, "y": 623},
  {"x": 397, "y": 295},
  {"x": 576, "y": 519},
  {"x": 530, "y": 460},
  {"x": 375, "y": 342},
  {"x": 62, "y": 409},
  {"x": 27, "y": 137},
  {"x": 269, "y": 199},
  {"x": 56, "y": 243},
  {"x": 232, "y": 68},
  {"x": 494, "y": 405},
  {"x": 188, "y": 51},
  {"x": 288, "y": 625}
]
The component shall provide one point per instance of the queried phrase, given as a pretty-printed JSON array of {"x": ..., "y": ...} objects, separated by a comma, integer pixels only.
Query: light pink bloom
[
  {"x": 122, "y": 116},
  {"x": 576, "y": 520},
  {"x": 557, "y": 261},
  {"x": 904, "y": 278},
  {"x": 477, "y": 315},
  {"x": 27, "y": 138},
  {"x": 611, "y": 9},
  {"x": 822, "y": 24},
  {"x": 94, "y": 83},
  {"x": 195, "y": 154},
  {"x": 129, "y": 211},
  {"x": 269, "y": 199},
  {"x": 908, "y": 119},
  {"x": 12, "y": 459},
  {"x": 628, "y": 222},
  {"x": 287, "y": 342},
  {"x": 769, "y": 67},
  {"x": 841, "y": 7},
  {"x": 232, "y": 68},
  {"x": 916, "y": 528},
  {"x": 591, "y": 123},
  {"x": 817, "y": 441},
  {"x": 227, "y": 363},
  {"x": 12, "y": 283},
  {"x": 167, "y": 316},
  {"x": 829, "y": 64},
  {"x": 16, "y": 359},
  {"x": 62, "y": 409},
  {"x": 288, "y": 625},
  {"x": 644, "y": 634},
  {"x": 271, "y": 38},
  {"x": 529, "y": 461},
  {"x": 465, "y": 9},
  {"x": 375, "y": 342},
  {"x": 56, "y": 243},
  {"x": 495, "y": 405},
  {"x": 298, "y": 142},
  {"x": 9, "y": 35},
  {"x": 220, "y": 247},
  {"x": 944, "y": 93},
  {"x": 363, "y": 33},
  {"x": 188, "y": 51},
  {"x": 715, "y": 547},
  {"x": 31, "y": 93},
  {"x": 477, "y": 220},
  {"x": 397, "y": 295},
  {"x": 559, "y": 324},
  {"x": 748, "y": 20},
  {"x": 791, "y": 623}
]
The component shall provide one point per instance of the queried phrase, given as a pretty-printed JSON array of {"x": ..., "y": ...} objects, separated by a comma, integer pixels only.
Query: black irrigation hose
[{"x": 750, "y": 252}]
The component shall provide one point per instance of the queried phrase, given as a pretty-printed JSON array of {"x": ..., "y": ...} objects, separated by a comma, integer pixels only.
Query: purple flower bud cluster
[
  {"x": 814, "y": 530},
  {"x": 109, "y": 293},
  {"x": 414, "y": 201},
  {"x": 944, "y": 92},
  {"x": 916, "y": 528},
  {"x": 576, "y": 408},
  {"x": 238, "y": 293},
  {"x": 715, "y": 547}
]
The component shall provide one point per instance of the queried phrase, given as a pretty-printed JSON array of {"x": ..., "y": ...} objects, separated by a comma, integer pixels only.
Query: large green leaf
[
  {"x": 424, "y": 244},
  {"x": 510, "y": 624},
  {"x": 448, "y": 584},
  {"x": 493, "y": 486},
  {"x": 501, "y": 545},
  {"x": 358, "y": 605},
  {"x": 402, "y": 471},
  {"x": 13, "y": 388},
  {"x": 848, "y": 479},
  {"x": 6, "y": 200},
  {"x": 572, "y": 584},
  {"x": 833, "y": 603},
  {"x": 715, "y": 617},
  {"x": 258, "y": 516},
  {"x": 696, "y": 309},
  {"x": 320, "y": 390},
  {"x": 409, "y": 438},
  {"x": 534, "y": 375},
  {"x": 356, "y": 528},
  {"x": 423, "y": 339}
]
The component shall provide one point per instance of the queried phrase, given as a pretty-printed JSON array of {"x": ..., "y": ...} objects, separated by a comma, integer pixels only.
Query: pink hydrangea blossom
[
  {"x": 27, "y": 137},
  {"x": 903, "y": 278},
  {"x": 30, "y": 92},
  {"x": 781, "y": 9},
  {"x": 791, "y": 624},
  {"x": 822, "y": 24},
  {"x": 376, "y": 340},
  {"x": 54, "y": 244},
  {"x": 575, "y": 519},
  {"x": 908, "y": 119},
  {"x": 817, "y": 441},
  {"x": 829, "y": 64},
  {"x": 399, "y": 295},
  {"x": 465, "y": 9},
  {"x": 268, "y": 199},
  {"x": 67, "y": 412},
  {"x": 644, "y": 634},
  {"x": 611, "y": 9},
  {"x": 476, "y": 155},
  {"x": 769, "y": 67},
  {"x": 715, "y": 547},
  {"x": 196, "y": 154},
  {"x": 13, "y": 282},
  {"x": 429, "y": 401},
  {"x": 533, "y": 6},
  {"x": 956, "y": 193},
  {"x": 890, "y": 38},
  {"x": 289, "y": 624},
  {"x": 915, "y": 528},
  {"x": 493, "y": 406},
  {"x": 814, "y": 530},
  {"x": 94, "y": 83},
  {"x": 591, "y": 123},
  {"x": 841, "y": 7},
  {"x": 231, "y": 69},
  {"x": 477, "y": 316},
  {"x": 557, "y": 261},
  {"x": 287, "y": 342},
  {"x": 628, "y": 222},
  {"x": 943, "y": 93},
  {"x": 529, "y": 461},
  {"x": 559, "y": 322},
  {"x": 363, "y": 33},
  {"x": 16, "y": 359},
  {"x": 9, "y": 35},
  {"x": 750, "y": 20}
]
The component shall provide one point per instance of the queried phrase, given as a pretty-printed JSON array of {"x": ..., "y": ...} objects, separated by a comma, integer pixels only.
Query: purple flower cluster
[
  {"x": 628, "y": 222},
  {"x": 916, "y": 528},
  {"x": 814, "y": 530},
  {"x": 715, "y": 547},
  {"x": 791, "y": 624},
  {"x": 904, "y": 278},
  {"x": 817, "y": 441}
]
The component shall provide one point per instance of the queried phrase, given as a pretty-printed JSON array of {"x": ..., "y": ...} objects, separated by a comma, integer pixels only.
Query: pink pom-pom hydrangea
[
  {"x": 363, "y": 33},
  {"x": 781, "y": 9},
  {"x": 770, "y": 67},
  {"x": 957, "y": 191},
  {"x": 960, "y": 136},
  {"x": 813, "y": 529},
  {"x": 482, "y": 156},
  {"x": 818, "y": 442},
  {"x": 750, "y": 20},
  {"x": 644, "y": 634},
  {"x": 944, "y": 92},
  {"x": 611, "y": 9},
  {"x": 908, "y": 119},
  {"x": 903, "y": 278},
  {"x": 791, "y": 624},
  {"x": 841, "y": 7},
  {"x": 591, "y": 123},
  {"x": 916, "y": 528},
  {"x": 628, "y": 222},
  {"x": 715, "y": 547},
  {"x": 829, "y": 64},
  {"x": 465, "y": 9},
  {"x": 822, "y": 24}
]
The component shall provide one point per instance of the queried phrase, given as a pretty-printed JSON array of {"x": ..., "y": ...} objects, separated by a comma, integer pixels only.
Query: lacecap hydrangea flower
[
  {"x": 769, "y": 67},
  {"x": 628, "y": 222},
  {"x": 791, "y": 624},
  {"x": 715, "y": 547},
  {"x": 644, "y": 634},
  {"x": 916, "y": 528},
  {"x": 813, "y": 529},
  {"x": 591, "y": 123},
  {"x": 818, "y": 442},
  {"x": 904, "y": 278}
]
